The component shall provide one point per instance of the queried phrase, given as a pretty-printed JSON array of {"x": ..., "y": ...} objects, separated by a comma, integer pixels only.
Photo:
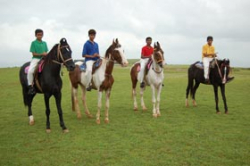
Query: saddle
[
  {"x": 96, "y": 65},
  {"x": 200, "y": 65},
  {"x": 148, "y": 65},
  {"x": 37, "y": 71}
]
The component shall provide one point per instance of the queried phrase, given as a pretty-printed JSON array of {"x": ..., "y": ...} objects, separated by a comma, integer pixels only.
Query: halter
[
  {"x": 59, "y": 55},
  {"x": 219, "y": 70},
  {"x": 158, "y": 72}
]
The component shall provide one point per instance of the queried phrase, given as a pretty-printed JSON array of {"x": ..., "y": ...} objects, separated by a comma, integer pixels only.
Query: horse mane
[
  {"x": 108, "y": 51},
  {"x": 50, "y": 55}
]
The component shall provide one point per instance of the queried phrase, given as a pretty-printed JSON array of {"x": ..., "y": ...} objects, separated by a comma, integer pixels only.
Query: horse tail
[
  {"x": 190, "y": 85},
  {"x": 133, "y": 75},
  {"x": 23, "y": 81}
]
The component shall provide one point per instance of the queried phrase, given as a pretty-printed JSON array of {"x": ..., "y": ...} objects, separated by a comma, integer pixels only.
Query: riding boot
[
  {"x": 31, "y": 90},
  {"x": 142, "y": 85},
  {"x": 89, "y": 87}
]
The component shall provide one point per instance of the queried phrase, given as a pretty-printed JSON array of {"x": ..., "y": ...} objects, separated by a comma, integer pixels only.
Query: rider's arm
[{"x": 36, "y": 54}]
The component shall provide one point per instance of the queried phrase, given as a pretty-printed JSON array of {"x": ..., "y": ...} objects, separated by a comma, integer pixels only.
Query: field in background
[{"x": 181, "y": 136}]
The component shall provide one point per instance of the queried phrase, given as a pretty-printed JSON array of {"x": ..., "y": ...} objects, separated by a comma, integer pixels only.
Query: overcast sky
[{"x": 180, "y": 26}]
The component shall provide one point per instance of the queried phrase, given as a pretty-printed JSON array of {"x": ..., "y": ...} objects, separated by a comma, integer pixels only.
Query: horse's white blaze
[
  {"x": 225, "y": 73},
  {"x": 121, "y": 51}
]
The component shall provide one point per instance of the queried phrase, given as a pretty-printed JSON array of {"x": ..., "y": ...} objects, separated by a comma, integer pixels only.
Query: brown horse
[
  {"x": 102, "y": 80},
  {"x": 153, "y": 78}
]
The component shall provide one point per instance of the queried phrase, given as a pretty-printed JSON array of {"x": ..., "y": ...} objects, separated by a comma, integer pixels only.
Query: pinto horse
[
  {"x": 153, "y": 78},
  {"x": 217, "y": 73},
  {"x": 49, "y": 81},
  {"x": 102, "y": 80}
]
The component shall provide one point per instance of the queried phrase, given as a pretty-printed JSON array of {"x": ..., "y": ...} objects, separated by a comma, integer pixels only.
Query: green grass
[{"x": 181, "y": 136}]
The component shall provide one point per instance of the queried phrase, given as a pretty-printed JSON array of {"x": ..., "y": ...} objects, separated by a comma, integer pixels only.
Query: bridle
[
  {"x": 60, "y": 56},
  {"x": 219, "y": 69},
  {"x": 158, "y": 61}
]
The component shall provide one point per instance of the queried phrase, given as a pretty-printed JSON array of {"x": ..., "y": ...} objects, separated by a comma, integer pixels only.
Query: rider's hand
[{"x": 44, "y": 54}]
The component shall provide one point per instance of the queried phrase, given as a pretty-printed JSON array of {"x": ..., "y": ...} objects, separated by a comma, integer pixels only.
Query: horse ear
[
  {"x": 117, "y": 41},
  {"x": 63, "y": 41},
  {"x": 155, "y": 45},
  {"x": 158, "y": 44},
  {"x": 114, "y": 42}
]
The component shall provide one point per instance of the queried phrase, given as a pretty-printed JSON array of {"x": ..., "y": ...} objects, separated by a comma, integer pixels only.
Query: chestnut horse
[
  {"x": 102, "y": 80},
  {"x": 153, "y": 78}
]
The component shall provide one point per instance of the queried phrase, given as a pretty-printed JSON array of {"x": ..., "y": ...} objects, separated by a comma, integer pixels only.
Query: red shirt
[{"x": 147, "y": 51}]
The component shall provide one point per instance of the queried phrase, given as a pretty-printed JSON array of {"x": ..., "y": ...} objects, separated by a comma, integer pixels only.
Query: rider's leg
[
  {"x": 89, "y": 65},
  {"x": 30, "y": 75},
  {"x": 143, "y": 63}
]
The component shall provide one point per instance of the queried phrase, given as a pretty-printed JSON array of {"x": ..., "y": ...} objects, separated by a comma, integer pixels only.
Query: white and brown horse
[
  {"x": 102, "y": 80},
  {"x": 153, "y": 78}
]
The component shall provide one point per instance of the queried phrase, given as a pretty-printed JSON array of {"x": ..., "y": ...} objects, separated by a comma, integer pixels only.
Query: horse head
[
  {"x": 64, "y": 54},
  {"x": 158, "y": 54},
  {"x": 225, "y": 67},
  {"x": 115, "y": 52}
]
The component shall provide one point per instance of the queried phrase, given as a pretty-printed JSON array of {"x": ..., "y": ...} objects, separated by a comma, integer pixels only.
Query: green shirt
[{"x": 38, "y": 47}]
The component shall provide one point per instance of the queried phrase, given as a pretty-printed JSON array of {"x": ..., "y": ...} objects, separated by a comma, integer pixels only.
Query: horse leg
[
  {"x": 107, "y": 106},
  {"x": 189, "y": 89},
  {"x": 158, "y": 100},
  {"x": 76, "y": 103},
  {"x": 153, "y": 100},
  {"x": 134, "y": 97},
  {"x": 99, "y": 107},
  {"x": 144, "y": 108},
  {"x": 46, "y": 99},
  {"x": 31, "y": 117},
  {"x": 58, "y": 97},
  {"x": 194, "y": 91},
  {"x": 84, "y": 103},
  {"x": 216, "y": 98},
  {"x": 222, "y": 88}
]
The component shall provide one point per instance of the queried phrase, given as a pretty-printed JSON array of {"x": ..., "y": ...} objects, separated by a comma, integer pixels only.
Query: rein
[
  {"x": 218, "y": 68},
  {"x": 59, "y": 55}
]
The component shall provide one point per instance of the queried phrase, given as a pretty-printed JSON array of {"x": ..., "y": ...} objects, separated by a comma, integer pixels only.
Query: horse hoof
[
  {"x": 89, "y": 116},
  {"x": 158, "y": 115},
  {"x": 218, "y": 112},
  {"x": 79, "y": 117},
  {"x": 106, "y": 121},
  {"x": 98, "y": 121},
  {"x": 144, "y": 109},
  {"x": 155, "y": 115},
  {"x": 32, "y": 123},
  {"x": 186, "y": 103},
  {"x": 226, "y": 112},
  {"x": 135, "y": 109},
  {"x": 48, "y": 131},
  {"x": 65, "y": 131}
]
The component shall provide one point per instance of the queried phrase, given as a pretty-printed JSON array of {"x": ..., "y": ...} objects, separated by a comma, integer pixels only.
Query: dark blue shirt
[{"x": 90, "y": 48}]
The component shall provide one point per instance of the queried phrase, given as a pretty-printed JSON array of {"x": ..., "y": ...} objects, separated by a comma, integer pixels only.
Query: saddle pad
[
  {"x": 40, "y": 67},
  {"x": 199, "y": 65},
  {"x": 149, "y": 63}
]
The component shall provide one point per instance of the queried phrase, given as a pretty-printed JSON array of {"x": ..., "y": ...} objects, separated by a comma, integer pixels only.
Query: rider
[
  {"x": 91, "y": 53},
  {"x": 38, "y": 49},
  {"x": 146, "y": 53},
  {"x": 208, "y": 53}
]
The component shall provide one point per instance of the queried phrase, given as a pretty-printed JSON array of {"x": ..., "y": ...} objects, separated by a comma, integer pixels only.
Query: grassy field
[{"x": 181, "y": 136}]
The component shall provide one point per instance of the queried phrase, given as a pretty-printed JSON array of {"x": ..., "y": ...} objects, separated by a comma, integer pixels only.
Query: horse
[
  {"x": 219, "y": 71},
  {"x": 49, "y": 81},
  {"x": 154, "y": 78},
  {"x": 102, "y": 80}
]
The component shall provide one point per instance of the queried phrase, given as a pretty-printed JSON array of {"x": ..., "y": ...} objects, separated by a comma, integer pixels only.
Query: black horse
[
  {"x": 219, "y": 71},
  {"x": 49, "y": 81}
]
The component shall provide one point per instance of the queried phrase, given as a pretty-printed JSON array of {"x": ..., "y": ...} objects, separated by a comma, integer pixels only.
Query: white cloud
[{"x": 180, "y": 26}]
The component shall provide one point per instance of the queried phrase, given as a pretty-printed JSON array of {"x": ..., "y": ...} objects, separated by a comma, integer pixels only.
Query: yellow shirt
[{"x": 206, "y": 49}]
